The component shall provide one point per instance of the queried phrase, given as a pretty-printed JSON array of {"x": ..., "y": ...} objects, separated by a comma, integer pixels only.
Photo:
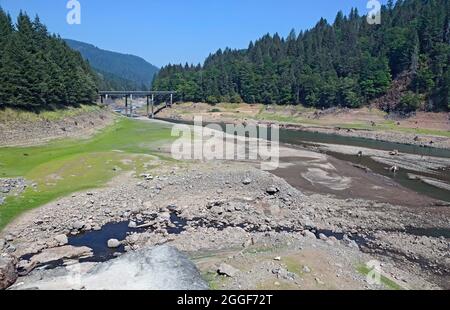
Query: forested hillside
[
  {"x": 117, "y": 71},
  {"x": 347, "y": 63},
  {"x": 38, "y": 70}
]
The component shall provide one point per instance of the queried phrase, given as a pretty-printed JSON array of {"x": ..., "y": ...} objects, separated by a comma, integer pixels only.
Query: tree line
[
  {"x": 38, "y": 70},
  {"x": 348, "y": 63}
]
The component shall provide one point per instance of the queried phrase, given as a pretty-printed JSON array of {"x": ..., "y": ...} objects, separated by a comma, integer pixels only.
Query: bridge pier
[
  {"x": 130, "y": 94},
  {"x": 153, "y": 106},
  {"x": 131, "y": 106}
]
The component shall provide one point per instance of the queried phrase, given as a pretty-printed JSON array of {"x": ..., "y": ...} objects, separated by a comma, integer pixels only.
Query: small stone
[
  {"x": 323, "y": 237},
  {"x": 247, "y": 181},
  {"x": 306, "y": 269},
  {"x": 78, "y": 225},
  {"x": 309, "y": 234},
  {"x": 227, "y": 270},
  {"x": 132, "y": 224},
  {"x": 87, "y": 227},
  {"x": 113, "y": 243},
  {"x": 278, "y": 258},
  {"x": 61, "y": 239},
  {"x": 320, "y": 282},
  {"x": 172, "y": 207},
  {"x": 272, "y": 190}
]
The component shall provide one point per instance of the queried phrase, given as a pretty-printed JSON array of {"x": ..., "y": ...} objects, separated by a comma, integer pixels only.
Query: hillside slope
[
  {"x": 117, "y": 71},
  {"x": 347, "y": 62}
]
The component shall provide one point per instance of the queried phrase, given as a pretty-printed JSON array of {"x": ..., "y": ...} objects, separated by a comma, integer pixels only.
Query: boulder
[
  {"x": 272, "y": 190},
  {"x": 227, "y": 270},
  {"x": 246, "y": 181},
  {"x": 78, "y": 225},
  {"x": 284, "y": 274},
  {"x": 159, "y": 268},
  {"x": 309, "y": 234},
  {"x": 113, "y": 243},
  {"x": 323, "y": 237},
  {"x": 8, "y": 273},
  {"x": 61, "y": 239}
]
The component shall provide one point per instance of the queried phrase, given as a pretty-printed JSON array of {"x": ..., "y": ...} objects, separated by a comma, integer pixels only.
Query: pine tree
[
  {"x": 38, "y": 70},
  {"x": 347, "y": 63}
]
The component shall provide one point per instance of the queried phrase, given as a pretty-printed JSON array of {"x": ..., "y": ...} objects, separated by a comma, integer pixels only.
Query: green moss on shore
[{"x": 70, "y": 165}]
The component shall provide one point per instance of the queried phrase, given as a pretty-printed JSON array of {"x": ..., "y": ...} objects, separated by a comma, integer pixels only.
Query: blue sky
[{"x": 179, "y": 31}]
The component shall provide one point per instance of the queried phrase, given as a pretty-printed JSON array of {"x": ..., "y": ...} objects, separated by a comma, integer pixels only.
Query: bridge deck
[
  {"x": 136, "y": 93},
  {"x": 150, "y": 99}
]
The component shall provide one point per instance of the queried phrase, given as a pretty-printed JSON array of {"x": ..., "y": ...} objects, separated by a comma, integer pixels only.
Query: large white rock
[{"x": 160, "y": 268}]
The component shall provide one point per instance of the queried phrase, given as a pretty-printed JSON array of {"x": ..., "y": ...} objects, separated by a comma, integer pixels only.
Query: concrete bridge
[{"x": 150, "y": 95}]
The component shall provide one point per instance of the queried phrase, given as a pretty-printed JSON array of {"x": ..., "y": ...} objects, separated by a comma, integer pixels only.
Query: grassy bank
[
  {"x": 66, "y": 166},
  {"x": 11, "y": 115}
]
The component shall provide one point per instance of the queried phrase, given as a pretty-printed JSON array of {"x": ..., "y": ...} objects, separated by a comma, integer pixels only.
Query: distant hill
[{"x": 117, "y": 71}]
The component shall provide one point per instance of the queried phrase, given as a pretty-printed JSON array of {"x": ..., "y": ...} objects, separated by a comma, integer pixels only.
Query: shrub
[{"x": 409, "y": 102}]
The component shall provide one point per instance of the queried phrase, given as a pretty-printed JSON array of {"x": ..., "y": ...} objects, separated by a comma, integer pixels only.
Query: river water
[{"x": 308, "y": 139}]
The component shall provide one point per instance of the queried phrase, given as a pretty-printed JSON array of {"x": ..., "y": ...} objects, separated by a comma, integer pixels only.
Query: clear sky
[{"x": 179, "y": 31}]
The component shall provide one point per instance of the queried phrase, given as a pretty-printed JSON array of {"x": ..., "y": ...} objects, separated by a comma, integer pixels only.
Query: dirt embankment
[
  {"x": 425, "y": 129},
  {"x": 24, "y": 128}
]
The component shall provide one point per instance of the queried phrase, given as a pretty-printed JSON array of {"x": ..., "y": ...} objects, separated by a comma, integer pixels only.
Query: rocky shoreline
[{"x": 220, "y": 207}]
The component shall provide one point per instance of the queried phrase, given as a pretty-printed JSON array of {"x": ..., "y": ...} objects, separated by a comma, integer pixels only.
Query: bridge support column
[
  {"x": 148, "y": 106},
  {"x": 131, "y": 106},
  {"x": 153, "y": 106},
  {"x": 171, "y": 100},
  {"x": 101, "y": 99},
  {"x": 126, "y": 105}
]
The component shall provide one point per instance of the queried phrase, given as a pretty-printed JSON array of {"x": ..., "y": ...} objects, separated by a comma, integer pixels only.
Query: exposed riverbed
[
  {"x": 418, "y": 155},
  {"x": 316, "y": 210}
]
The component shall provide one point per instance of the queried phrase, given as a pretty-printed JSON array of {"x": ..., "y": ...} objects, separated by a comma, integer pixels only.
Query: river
[{"x": 311, "y": 139}]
